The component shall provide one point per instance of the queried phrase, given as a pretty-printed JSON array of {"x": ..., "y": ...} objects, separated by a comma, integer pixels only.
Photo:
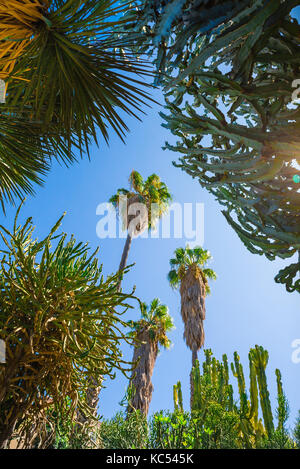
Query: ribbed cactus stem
[
  {"x": 180, "y": 400},
  {"x": 238, "y": 372},
  {"x": 175, "y": 398},
  {"x": 260, "y": 359},
  {"x": 253, "y": 392},
  {"x": 196, "y": 405},
  {"x": 226, "y": 369}
]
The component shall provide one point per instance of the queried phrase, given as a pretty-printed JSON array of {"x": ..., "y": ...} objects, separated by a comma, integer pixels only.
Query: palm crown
[
  {"x": 156, "y": 319},
  {"x": 66, "y": 75},
  {"x": 152, "y": 192},
  {"x": 186, "y": 258}
]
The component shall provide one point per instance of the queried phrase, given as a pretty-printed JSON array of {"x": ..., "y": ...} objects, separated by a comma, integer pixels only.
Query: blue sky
[{"x": 246, "y": 307}]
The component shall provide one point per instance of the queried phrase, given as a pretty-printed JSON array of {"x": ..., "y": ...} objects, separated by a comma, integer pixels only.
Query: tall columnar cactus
[
  {"x": 259, "y": 358},
  {"x": 177, "y": 397},
  {"x": 213, "y": 385}
]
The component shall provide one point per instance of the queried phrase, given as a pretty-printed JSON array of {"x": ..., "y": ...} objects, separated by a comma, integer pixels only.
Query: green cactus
[
  {"x": 259, "y": 358},
  {"x": 213, "y": 386},
  {"x": 177, "y": 397}
]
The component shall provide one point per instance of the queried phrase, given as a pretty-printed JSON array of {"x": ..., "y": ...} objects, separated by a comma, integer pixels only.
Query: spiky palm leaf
[
  {"x": 67, "y": 74},
  {"x": 73, "y": 70},
  {"x": 156, "y": 319},
  {"x": 26, "y": 155},
  {"x": 152, "y": 192}
]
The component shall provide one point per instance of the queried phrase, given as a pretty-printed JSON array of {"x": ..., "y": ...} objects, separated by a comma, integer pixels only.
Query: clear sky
[{"x": 246, "y": 307}]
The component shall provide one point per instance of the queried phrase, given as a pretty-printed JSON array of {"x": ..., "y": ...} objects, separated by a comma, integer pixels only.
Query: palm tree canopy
[
  {"x": 186, "y": 258},
  {"x": 155, "y": 319},
  {"x": 152, "y": 192},
  {"x": 67, "y": 76}
]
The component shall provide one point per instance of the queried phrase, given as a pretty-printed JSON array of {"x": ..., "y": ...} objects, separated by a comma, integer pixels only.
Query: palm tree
[
  {"x": 188, "y": 272},
  {"x": 155, "y": 197},
  {"x": 149, "y": 333},
  {"x": 67, "y": 75}
]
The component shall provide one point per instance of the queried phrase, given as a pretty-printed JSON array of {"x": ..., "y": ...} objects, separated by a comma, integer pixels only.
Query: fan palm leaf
[{"x": 68, "y": 76}]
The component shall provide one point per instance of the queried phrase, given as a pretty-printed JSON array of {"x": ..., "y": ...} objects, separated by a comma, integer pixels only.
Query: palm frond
[
  {"x": 69, "y": 77},
  {"x": 187, "y": 258}
]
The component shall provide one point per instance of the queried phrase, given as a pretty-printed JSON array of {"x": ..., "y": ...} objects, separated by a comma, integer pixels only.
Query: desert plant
[
  {"x": 219, "y": 420},
  {"x": 60, "y": 321},
  {"x": 229, "y": 96},
  {"x": 124, "y": 432}
]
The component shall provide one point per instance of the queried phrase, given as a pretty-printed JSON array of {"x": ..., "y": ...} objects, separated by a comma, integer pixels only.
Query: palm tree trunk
[
  {"x": 146, "y": 355},
  {"x": 194, "y": 358},
  {"x": 124, "y": 258},
  {"x": 93, "y": 391}
]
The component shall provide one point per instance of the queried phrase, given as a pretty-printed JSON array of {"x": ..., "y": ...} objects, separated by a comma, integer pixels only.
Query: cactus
[
  {"x": 245, "y": 112},
  {"x": 213, "y": 385},
  {"x": 177, "y": 397},
  {"x": 259, "y": 358}
]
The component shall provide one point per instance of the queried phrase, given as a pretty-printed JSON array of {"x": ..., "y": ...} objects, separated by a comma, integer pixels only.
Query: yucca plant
[
  {"x": 190, "y": 274},
  {"x": 149, "y": 334},
  {"x": 155, "y": 198},
  {"x": 60, "y": 321},
  {"x": 67, "y": 77}
]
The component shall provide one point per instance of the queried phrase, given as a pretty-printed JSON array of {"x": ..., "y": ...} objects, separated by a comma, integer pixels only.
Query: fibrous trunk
[
  {"x": 193, "y": 292},
  {"x": 146, "y": 354}
]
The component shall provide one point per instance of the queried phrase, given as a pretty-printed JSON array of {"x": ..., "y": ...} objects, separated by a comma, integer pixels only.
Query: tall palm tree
[
  {"x": 190, "y": 274},
  {"x": 67, "y": 75},
  {"x": 153, "y": 194},
  {"x": 149, "y": 333}
]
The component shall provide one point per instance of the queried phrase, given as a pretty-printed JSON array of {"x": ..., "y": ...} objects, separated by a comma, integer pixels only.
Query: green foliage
[
  {"x": 155, "y": 318},
  {"x": 182, "y": 430},
  {"x": 228, "y": 69},
  {"x": 217, "y": 420},
  {"x": 67, "y": 77},
  {"x": 152, "y": 192},
  {"x": 187, "y": 257},
  {"x": 124, "y": 433},
  {"x": 213, "y": 386},
  {"x": 61, "y": 323},
  {"x": 297, "y": 431}
]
